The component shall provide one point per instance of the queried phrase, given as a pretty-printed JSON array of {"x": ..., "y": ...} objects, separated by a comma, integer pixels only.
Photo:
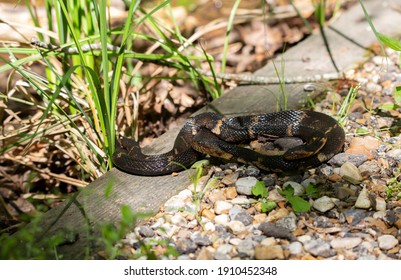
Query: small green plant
[
  {"x": 260, "y": 190},
  {"x": 24, "y": 245},
  {"x": 297, "y": 203},
  {"x": 111, "y": 234},
  {"x": 393, "y": 189}
]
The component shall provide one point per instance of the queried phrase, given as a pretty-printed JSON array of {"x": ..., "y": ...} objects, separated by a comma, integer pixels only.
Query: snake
[{"x": 211, "y": 134}]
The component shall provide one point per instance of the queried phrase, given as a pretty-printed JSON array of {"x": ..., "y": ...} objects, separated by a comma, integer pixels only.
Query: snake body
[{"x": 212, "y": 134}]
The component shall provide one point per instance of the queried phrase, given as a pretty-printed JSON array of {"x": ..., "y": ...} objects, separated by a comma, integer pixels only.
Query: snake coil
[{"x": 212, "y": 134}]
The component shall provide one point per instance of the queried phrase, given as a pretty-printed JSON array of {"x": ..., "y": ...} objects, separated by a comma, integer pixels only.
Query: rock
[
  {"x": 206, "y": 253},
  {"x": 341, "y": 158},
  {"x": 355, "y": 216},
  {"x": 319, "y": 247},
  {"x": 363, "y": 200},
  {"x": 208, "y": 214},
  {"x": 345, "y": 243},
  {"x": 230, "y": 179},
  {"x": 186, "y": 246},
  {"x": 395, "y": 154},
  {"x": 369, "y": 168},
  {"x": 178, "y": 220},
  {"x": 223, "y": 252},
  {"x": 289, "y": 222},
  {"x": 288, "y": 142},
  {"x": 230, "y": 193},
  {"x": 236, "y": 227},
  {"x": 269, "y": 253},
  {"x": 201, "y": 239},
  {"x": 387, "y": 241},
  {"x": 349, "y": 171},
  {"x": 295, "y": 248},
  {"x": 298, "y": 188},
  {"x": 242, "y": 200},
  {"x": 145, "y": 231},
  {"x": 209, "y": 227},
  {"x": 246, "y": 249},
  {"x": 381, "y": 60},
  {"x": 238, "y": 213},
  {"x": 252, "y": 171},
  {"x": 167, "y": 230},
  {"x": 174, "y": 204},
  {"x": 245, "y": 185},
  {"x": 381, "y": 204},
  {"x": 277, "y": 214},
  {"x": 323, "y": 204},
  {"x": 222, "y": 219},
  {"x": 269, "y": 241},
  {"x": 270, "y": 229},
  {"x": 222, "y": 207}
]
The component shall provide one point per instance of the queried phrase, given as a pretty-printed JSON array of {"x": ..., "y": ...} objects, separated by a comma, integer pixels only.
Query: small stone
[
  {"x": 209, "y": 227},
  {"x": 369, "y": 168},
  {"x": 363, "y": 200},
  {"x": 222, "y": 219},
  {"x": 298, "y": 188},
  {"x": 269, "y": 253},
  {"x": 252, "y": 171},
  {"x": 269, "y": 241},
  {"x": 381, "y": 204},
  {"x": 238, "y": 213},
  {"x": 270, "y": 229},
  {"x": 340, "y": 159},
  {"x": 245, "y": 185},
  {"x": 381, "y": 60},
  {"x": 206, "y": 253},
  {"x": 178, "y": 220},
  {"x": 350, "y": 172},
  {"x": 275, "y": 196},
  {"x": 186, "y": 246},
  {"x": 289, "y": 222},
  {"x": 345, "y": 243},
  {"x": 295, "y": 248},
  {"x": 146, "y": 231},
  {"x": 246, "y": 249},
  {"x": 318, "y": 247},
  {"x": 355, "y": 216},
  {"x": 236, "y": 227},
  {"x": 241, "y": 200},
  {"x": 230, "y": 192},
  {"x": 208, "y": 214},
  {"x": 277, "y": 214},
  {"x": 222, "y": 207},
  {"x": 387, "y": 241},
  {"x": 323, "y": 204},
  {"x": 288, "y": 142},
  {"x": 174, "y": 204},
  {"x": 223, "y": 252},
  {"x": 201, "y": 239},
  {"x": 395, "y": 154},
  {"x": 310, "y": 181},
  {"x": 230, "y": 179},
  {"x": 167, "y": 230}
]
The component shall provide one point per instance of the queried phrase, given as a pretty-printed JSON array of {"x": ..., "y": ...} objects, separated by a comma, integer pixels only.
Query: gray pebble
[
  {"x": 246, "y": 249},
  {"x": 186, "y": 246},
  {"x": 323, "y": 204},
  {"x": 319, "y": 247},
  {"x": 395, "y": 154},
  {"x": 289, "y": 222},
  {"x": 270, "y": 229},
  {"x": 175, "y": 204},
  {"x": 363, "y": 200},
  {"x": 245, "y": 185},
  {"x": 201, "y": 239},
  {"x": 252, "y": 171},
  {"x": 350, "y": 172},
  {"x": 356, "y": 159},
  {"x": 223, "y": 252},
  {"x": 345, "y": 243},
  {"x": 146, "y": 231},
  {"x": 295, "y": 248},
  {"x": 288, "y": 142},
  {"x": 355, "y": 216},
  {"x": 387, "y": 241},
  {"x": 369, "y": 168},
  {"x": 238, "y": 213}
]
